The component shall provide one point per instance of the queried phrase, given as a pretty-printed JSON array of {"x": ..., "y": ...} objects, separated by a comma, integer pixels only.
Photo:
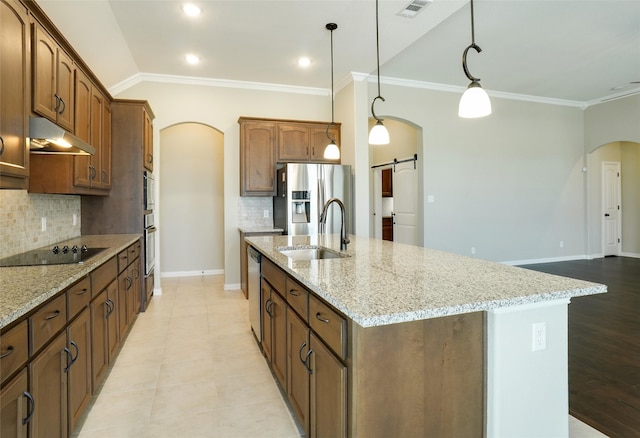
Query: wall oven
[
  {"x": 149, "y": 243},
  {"x": 149, "y": 191}
]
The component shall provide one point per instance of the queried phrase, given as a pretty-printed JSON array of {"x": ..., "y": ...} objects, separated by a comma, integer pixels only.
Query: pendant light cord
[
  {"x": 373, "y": 113},
  {"x": 473, "y": 46},
  {"x": 331, "y": 27}
]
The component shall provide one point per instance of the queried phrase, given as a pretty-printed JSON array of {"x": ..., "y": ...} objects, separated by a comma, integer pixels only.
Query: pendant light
[
  {"x": 475, "y": 101},
  {"x": 331, "y": 152},
  {"x": 378, "y": 134}
]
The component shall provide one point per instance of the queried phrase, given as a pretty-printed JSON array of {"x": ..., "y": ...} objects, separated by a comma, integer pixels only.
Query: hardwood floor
[{"x": 604, "y": 344}]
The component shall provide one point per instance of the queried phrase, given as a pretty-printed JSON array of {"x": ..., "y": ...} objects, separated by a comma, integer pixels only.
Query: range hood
[{"x": 48, "y": 138}]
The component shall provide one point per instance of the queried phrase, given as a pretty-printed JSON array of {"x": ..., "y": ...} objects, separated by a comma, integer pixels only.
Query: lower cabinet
[
  {"x": 48, "y": 383},
  {"x": 79, "y": 369},
  {"x": 328, "y": 392},
  {"x": 104, "y": 332},
  {"x": 274, "y": 331},
  {"x": 298, "y": 373},
  {"x": 16, "y": 407}
]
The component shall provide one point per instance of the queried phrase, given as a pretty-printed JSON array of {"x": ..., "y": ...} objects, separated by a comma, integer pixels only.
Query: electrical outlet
[
  {"x": 74, "y": 219},
  {"x": 473, "y": 250},
  {"x": 265, "y": 213},
  {"x": 43, "y": 221},
  {"x": 539, "y": 336},
  {"x": 562, "y": 244}
]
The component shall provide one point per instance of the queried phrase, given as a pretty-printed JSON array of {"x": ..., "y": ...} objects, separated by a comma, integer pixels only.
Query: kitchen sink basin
[{"x": 310, "y": 253}]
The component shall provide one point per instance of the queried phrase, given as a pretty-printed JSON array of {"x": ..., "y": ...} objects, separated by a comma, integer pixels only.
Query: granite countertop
[
  {"x": 384, "y": 282},
  {"x": 23, "y": 288},
  {"x": 260, "y": 229}
]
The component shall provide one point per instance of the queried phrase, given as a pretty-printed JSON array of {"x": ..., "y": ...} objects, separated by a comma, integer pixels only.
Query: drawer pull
[
  {"x": 321, "y": 319},
  {"x": 82, "y": 292},
  {"x": 9, "y": 352},
  {"x": 31, "y": 409},
  {"x": 52, "y": 315},
  {"x": 294, "y": 292},
  {"x": 267, "y": 307},
  {"x": 129, "y": 283}
]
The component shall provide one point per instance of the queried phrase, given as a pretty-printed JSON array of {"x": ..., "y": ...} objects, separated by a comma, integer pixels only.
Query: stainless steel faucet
[{"x": 344, "y": 239}]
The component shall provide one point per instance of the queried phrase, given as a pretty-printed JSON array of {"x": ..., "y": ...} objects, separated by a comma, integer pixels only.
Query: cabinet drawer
[
  {"x": 124, "y": 259},
  {"x": 103, "y": 276},
  {"x": 297, "y": 297},
  {"x": 134, "y": 251},
  {"x": 330, "y": 326},
  {"x": 14, "y": 349},
  {"x": 78, "y": 296},
  {"x": 273, "y": 275},
  {"x": 47, "y": 322}
]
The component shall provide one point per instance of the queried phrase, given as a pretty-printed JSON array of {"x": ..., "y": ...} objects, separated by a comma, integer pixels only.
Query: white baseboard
[
  {"x": 232, "y": 286},
  {"x": 630, "y": 254},
  {"x": 546, "y": 260},
  {"x": 191, "y": 273},
  {"x": 157, "y": 291}
]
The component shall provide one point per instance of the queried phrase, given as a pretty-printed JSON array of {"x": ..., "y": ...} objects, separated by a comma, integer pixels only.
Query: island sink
[{"x": 310, "y": 252}]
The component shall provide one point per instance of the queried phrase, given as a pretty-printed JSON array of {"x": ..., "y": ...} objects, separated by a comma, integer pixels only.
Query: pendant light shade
[
  {"x": 378, "y": 134},
  {"x": 475, "y": 101},
  {"x": 331, "y": 151}
]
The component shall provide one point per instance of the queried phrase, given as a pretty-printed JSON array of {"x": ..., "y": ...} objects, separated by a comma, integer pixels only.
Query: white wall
[
  {"x": 220, "y": 109},
  {"x": 191, "y": 195}
]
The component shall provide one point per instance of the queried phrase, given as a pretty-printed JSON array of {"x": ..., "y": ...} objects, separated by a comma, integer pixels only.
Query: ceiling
[{"x": 578, "y": 52}]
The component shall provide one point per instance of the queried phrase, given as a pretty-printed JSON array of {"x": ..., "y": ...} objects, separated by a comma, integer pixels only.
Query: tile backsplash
[
  {"x": 251, "y": 212},
  {"x": 21, "y": 216}
]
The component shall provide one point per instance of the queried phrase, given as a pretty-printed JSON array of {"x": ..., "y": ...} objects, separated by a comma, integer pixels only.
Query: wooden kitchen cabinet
[
  {"x": 274, "y": 328},
  {"x": 14, "y": 94},
  {"x": 53, "y": 79},
  {"x": 129, "y": 287},
  {"x": 79, "y": 370},
  {"x": 298, "y": 377},
  {"x": 243, "y": 256},
  {"x": 14, "y": 349},
  {"x": 305, "y": 142},
  {"x": 148, "y": 139},
  {"x": 387, "y": 228},
  {"x": 48, "y": 384},
  {"x": 15, "y": 407},
  {"x": 387, "y": 183},
  {"x": 257, "y": 157}
]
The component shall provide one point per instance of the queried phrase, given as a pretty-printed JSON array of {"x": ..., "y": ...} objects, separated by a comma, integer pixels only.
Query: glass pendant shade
[
  {"x": 379, "y": 134},
  {"x": 332, "y": 152},
  {"x": 474, "y": 102}
]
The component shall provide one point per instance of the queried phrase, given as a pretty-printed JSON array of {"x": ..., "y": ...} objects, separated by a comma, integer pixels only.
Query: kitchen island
[{"x": 439, "y": 344}]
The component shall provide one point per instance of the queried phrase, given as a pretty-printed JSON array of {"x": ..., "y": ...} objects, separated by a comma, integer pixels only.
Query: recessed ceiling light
[
  {"x": 304, "y": 62},
  {"x": 191, "y": 10},
  {"x": 192, "y": 59}
]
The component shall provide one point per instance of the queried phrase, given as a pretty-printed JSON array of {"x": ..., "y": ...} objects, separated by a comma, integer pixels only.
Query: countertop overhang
[
  {"x": 23, "y": 288},
  {"x": 385, "y": 282}
]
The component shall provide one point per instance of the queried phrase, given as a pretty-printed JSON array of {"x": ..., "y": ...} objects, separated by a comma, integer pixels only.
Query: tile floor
[{"x": 190, "y": 367}]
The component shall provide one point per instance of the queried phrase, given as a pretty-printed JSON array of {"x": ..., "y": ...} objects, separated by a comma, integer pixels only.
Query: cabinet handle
[
  {"x": 306, "y": 361},
  {"x": 64, "y": 106},
  {"x": 294, "y": 292},
  {"x": 74, "y": 345},
  {"x": 321, "y": 319},
  {"x": 92, "y": 172},
  {"x": 1, "y": 145},
  {"x": 110, "y": 307},
  {"x": 31, "y": 409},
  {"x": 82, "y": 292},
  {"x": 57, "y": 102},
  {"x": 150, "y": 158},
  {"x": 104, "y": 176},
  {"x": 304, "y": 344},
  {"x": 8, "y": 353},
  {"x": 129, "y": 283},
  {"x": 70, "y": 362},
  {"x": 137, "y": 274},
  {"x": 267, "y": 307},
  {"x": 52, "y": 315}
]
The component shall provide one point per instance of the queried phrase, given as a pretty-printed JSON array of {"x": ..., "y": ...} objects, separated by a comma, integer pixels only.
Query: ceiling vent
[{"x": 413, "y": 8}]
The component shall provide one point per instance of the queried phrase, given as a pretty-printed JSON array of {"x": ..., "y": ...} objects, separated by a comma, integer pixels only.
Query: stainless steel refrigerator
[{"x": 303, "y": 190}]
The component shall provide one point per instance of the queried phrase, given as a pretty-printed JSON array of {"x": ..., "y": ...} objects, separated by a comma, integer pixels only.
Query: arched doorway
[
  {"x": 396, "y": 181},
  {"x": 191, "y": 225},
  {"x": 625, "y": 156}
]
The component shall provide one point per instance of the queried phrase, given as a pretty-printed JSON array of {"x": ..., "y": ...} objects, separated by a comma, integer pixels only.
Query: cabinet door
[
  {"x": 48, "y": 383},
  {"x": 297, "y": 372},
  {"x": 319, "y": 142},
  {"x": 387, "y": 183},
  {"x": 257, "y": 158},
  {"x": 124, "y": 284},
  {"x": 293, "y": 142},
  {"x": 148, "y": 141},
  {"x": 279, "y": 338},
  {"x": 79, "y": 371},
  {"x": 105, "y": 150},
  {"x": 113, "y": 330},
  {"x": 136, "y": 293},
  {"x": 14, "y": 92},
  {"x": 265, "y": 307},
  {"x": 83, "y": 106},
  {"x": 15, "y": 407},
  {"x": 64, "y": 88},
  {"x": 45, "y": 52},
  {"x": 328, "y": 393},
  {"x": 96, "y": 137},
  {"x": 100, "y": 308}
]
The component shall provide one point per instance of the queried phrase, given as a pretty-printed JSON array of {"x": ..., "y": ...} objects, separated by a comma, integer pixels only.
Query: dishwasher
[{"x": 254, "y": 291}]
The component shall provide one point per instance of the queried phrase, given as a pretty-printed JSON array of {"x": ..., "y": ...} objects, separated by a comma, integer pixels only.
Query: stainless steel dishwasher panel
[{"x": 254, "y": 291}]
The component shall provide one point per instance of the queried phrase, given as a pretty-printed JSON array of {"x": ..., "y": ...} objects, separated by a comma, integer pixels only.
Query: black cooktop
[{"x": 55, "y": 256}]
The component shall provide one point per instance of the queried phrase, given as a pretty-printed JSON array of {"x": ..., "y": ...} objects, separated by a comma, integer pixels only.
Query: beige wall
[
  {"x": 617, "y": 120},
  {"x": 191, "y": 199},
  {"x": 630, "y": 169}
]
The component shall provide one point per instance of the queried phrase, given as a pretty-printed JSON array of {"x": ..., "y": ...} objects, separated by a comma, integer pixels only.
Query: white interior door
[
  {"x": 611, "y": 216},
  {"x": 405, "y": 203},
  {"x": 377, "y": 203}
]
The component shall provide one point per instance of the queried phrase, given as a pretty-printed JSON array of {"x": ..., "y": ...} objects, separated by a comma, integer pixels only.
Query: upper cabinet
[
  {"x": 305, "y": 142},
  {"x": 148, "y": 139},
  {"x": 14, "y": 94},
  {"x": 53, "y": 79},
  {"x": 266, "y": 142}
]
